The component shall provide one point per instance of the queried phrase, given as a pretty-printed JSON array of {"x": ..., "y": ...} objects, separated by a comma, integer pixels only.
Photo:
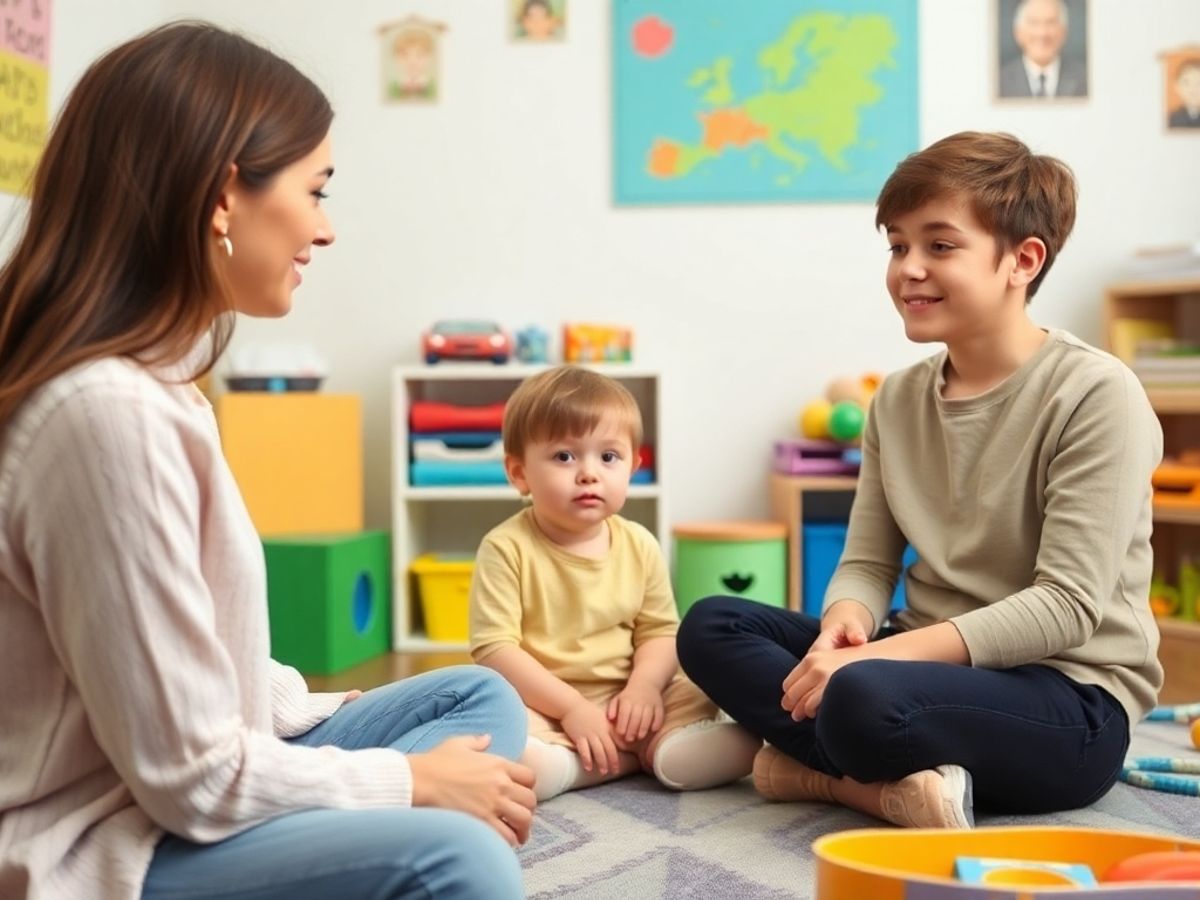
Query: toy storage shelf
[
  {"x": 452, "y": 519},
  {"x": 795, "y": 498},
  {"x": 1175, "y": 302}
]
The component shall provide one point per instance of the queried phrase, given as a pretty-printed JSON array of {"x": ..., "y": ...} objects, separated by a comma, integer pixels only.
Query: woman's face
[{"x": 273, "y": 231}]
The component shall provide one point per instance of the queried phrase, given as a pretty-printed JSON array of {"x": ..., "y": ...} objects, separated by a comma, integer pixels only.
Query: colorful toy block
[
  {"x": 1022, "y": 872},
  {"x": 330, "y": 599},
  {"x": 297, "y": 458}
]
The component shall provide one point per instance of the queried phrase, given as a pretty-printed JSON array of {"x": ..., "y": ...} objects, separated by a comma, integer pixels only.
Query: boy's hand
[
  {"x": 636, "y": 712},
  {"x": 457, "y": 774},
  {"x": 805, "y": 685},
  {"x": 591, "y": 733},
  {"x": 842, "y": 626}
]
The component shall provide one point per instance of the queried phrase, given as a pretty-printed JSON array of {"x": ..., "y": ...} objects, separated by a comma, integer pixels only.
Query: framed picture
[
  {"x": 538, "y": 21},
  {"x": 1181, "y": 89},
  {"x": 1041, "y": 49},
  {"x": 410, "y": 56}
]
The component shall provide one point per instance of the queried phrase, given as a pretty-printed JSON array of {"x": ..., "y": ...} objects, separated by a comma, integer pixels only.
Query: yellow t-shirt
[{"x": 580, "y": 618}]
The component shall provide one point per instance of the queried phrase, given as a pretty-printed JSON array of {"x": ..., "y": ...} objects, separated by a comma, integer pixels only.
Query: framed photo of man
[
  {"x": 1041, "y": 49},
  {"x": 1181, "y": 89}
]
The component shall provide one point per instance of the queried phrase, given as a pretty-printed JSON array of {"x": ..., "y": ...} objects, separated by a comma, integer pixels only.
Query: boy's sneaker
[
  {"x": 932, "y": 798},
  {"x": 779, "y": 777}
]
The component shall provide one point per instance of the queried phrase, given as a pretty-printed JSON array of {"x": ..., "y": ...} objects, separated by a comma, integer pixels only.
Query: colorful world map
[{"x": 732, "y": 101}]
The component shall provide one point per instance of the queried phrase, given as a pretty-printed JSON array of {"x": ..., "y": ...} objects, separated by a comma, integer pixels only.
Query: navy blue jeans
[{"x": 1033, "y": 739}]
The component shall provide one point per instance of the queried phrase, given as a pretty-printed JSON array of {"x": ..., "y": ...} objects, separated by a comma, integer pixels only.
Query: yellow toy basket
[
  {"x": 443, "y": 582},
  {"x": 918, "y": 864}
]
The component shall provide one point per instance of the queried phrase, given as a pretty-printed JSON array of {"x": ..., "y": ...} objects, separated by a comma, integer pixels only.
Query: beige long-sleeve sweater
[
  {"x": 1029, "y": 507},
  {"x": 136, "y": 692}
]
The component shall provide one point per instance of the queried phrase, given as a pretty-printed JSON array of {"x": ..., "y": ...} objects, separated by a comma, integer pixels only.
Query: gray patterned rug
[{"x": 631, "y": 839}]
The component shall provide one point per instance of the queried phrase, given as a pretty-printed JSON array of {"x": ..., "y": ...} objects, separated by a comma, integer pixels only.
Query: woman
[{"x": 150, "y": 745}]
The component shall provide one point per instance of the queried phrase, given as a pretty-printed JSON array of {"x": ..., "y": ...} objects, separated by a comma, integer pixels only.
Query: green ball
[{"x": 846, "y": 421}]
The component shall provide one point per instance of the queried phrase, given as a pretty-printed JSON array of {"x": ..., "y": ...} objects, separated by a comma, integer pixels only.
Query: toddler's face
[{"x": 577, "y": 482}]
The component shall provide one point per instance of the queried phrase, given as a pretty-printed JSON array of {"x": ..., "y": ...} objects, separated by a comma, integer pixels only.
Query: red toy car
[{"x": 466, "y": 339}]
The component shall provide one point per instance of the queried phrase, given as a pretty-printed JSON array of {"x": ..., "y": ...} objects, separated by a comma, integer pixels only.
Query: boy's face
[
  {"x": 576, "y": 482},
  {"x": 943, "y": 276}
]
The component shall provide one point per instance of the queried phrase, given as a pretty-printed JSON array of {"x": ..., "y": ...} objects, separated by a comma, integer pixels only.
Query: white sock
[
  {"x": 556, "y": 768},
  {"x": 705, "y": 754}
]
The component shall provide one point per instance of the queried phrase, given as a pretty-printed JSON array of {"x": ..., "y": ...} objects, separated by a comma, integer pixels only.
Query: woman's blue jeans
[{"x": 371, "y": 854}]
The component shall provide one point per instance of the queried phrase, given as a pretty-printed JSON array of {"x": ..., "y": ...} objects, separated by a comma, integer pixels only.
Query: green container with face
[{"x": 735, "y": 559}]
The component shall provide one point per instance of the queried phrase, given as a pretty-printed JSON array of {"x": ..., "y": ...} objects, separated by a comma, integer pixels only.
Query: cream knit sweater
[{"x": 136, "y": 692}]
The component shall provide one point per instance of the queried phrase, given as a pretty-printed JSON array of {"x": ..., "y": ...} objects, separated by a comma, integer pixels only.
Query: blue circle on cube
[{"x": 364, "y": 603}]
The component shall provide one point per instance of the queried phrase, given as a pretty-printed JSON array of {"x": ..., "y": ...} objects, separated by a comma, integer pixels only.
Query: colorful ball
[
  {"x": 846, "y": 421},
  {"x": 845, "y": 388},
  {"x": 814, "y": 420}
]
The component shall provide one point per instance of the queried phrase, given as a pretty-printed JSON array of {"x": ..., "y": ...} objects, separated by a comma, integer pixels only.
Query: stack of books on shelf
[
  {"x": 1172, "y": 261},
  {"x": 1167, "y": 363}
]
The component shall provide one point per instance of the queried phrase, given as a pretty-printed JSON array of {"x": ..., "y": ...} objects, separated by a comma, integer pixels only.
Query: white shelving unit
[{"x": 442, "y": 519}]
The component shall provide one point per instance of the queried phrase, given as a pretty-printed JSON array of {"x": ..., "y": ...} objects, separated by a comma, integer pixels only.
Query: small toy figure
[{"x": 533, "y": 345}]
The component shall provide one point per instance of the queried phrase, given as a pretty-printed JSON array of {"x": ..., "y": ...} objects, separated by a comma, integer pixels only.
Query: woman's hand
[
  {"x": 636, "y": 712},
  {"x": 457, "y": 774},
  {"x": 590, "y": 731}
]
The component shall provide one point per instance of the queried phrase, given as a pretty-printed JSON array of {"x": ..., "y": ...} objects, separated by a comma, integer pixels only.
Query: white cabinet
[{"x": 454, "y": 519}]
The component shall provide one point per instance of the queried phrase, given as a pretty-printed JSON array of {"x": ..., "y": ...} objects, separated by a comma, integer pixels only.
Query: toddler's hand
[
  {"x": 636, "y": 712},
  {"x": 587, "y": 727}
]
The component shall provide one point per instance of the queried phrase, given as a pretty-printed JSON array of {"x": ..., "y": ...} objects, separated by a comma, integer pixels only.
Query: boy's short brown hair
[
  {"x": 567, "y": 401},
  {"x": 1014, "y": 193}
]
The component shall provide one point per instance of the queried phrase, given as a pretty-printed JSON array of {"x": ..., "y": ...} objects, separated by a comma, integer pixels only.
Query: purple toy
[{"x": 806, "y": 457}]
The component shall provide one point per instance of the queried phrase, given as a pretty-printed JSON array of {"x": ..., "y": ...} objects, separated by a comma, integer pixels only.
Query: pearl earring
[{"x": 227, "y": 244}]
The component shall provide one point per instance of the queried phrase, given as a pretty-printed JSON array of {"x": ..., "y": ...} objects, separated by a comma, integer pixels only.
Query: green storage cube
[
  {"x": 330, "y": 599},
  {"x": 740, "y": 559}
]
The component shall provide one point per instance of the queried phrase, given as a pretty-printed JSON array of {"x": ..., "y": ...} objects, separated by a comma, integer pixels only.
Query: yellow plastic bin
[
  {"x": 443, "y": 581},
  {"x": 741, "y": 559}
]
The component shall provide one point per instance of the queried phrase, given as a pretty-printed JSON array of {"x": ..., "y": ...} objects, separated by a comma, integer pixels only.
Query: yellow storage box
[{"x": 442, "y": 582}]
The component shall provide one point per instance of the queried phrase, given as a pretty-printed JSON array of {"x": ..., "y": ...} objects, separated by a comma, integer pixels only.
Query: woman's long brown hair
[{"x": 117, "y": 257}]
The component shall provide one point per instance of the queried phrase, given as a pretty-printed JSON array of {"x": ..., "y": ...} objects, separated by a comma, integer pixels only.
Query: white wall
[{"x": 496, "y": 202}]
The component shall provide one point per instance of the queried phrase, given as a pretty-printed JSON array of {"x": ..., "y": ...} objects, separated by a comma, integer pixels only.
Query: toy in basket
[{"x": 1037, "y": 862}]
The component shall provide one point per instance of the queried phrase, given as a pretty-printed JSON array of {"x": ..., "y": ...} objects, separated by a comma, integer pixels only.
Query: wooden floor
[{"x": 384, "y": 670}]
